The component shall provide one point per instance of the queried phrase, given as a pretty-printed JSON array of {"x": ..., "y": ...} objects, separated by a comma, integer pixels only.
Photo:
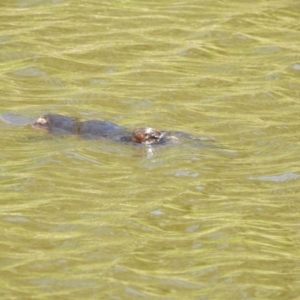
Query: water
[{"x": 100, "y": 220}]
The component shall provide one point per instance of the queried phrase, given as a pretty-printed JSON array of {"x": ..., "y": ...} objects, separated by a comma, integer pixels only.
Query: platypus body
[{"x": 97, "y": 129}]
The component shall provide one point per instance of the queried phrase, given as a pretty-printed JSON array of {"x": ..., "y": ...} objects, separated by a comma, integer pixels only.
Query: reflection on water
[
  {"x": 283, "y": 177},
  {"x": 83, "y": 218}
]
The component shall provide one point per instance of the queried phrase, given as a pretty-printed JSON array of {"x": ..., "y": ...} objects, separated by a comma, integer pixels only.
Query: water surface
[{"x": 100, "y": 220}]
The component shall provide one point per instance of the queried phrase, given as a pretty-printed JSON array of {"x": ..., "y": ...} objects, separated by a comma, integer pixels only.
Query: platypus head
[{"x": 147, "y": 136}]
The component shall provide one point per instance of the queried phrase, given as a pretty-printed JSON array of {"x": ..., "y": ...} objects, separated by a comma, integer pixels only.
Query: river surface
[{"x": 94, "y": 219}]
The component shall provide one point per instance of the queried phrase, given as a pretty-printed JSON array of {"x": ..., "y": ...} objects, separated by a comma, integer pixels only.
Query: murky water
[{"x": 84, "y": 219}]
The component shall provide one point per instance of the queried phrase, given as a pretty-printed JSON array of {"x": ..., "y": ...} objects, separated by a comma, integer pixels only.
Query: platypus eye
[{"x": 150, "y": 136}]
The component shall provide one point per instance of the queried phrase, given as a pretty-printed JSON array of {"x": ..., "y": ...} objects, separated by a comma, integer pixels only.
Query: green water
[{"x": 83, "y": 219}]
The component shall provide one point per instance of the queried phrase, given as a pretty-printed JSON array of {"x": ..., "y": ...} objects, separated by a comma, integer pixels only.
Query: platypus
[{"x": 97, "y": 129}]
